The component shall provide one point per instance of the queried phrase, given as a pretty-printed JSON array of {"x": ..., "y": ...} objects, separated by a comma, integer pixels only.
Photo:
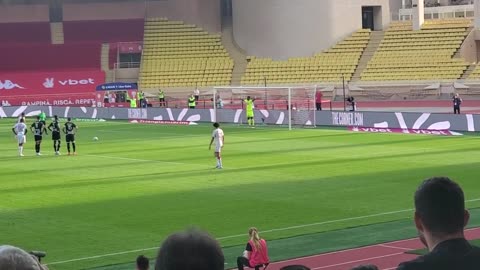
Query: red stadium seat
[
  {"x": 43, "y": 57},
  {"x": 103, "y": 31},
  {"x": 29, "y": 32}
]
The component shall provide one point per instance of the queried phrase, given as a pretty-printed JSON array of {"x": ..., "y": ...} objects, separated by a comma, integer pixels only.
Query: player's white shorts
[
  {"x": 218, "y": 149},
  {"x": 21, "y": 138}
]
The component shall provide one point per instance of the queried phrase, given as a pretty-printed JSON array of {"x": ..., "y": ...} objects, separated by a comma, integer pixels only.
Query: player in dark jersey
[
  {"x": 70, "y": 129},
  {"x": 38, "y": 128},
  {"x": 54, "y": 127}
]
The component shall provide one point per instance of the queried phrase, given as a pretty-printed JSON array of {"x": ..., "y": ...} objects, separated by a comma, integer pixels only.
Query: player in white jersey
[
  {"x": 219, "y": 138},
  {"x": 20, "y": 130}
]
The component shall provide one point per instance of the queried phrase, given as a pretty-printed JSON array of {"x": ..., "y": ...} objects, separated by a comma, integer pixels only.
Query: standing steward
[{"x": 457, "y": 101}]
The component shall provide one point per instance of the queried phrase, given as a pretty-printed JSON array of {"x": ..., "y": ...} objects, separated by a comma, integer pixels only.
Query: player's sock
[
  {"x": 220, "y": 163},
  {"x": 68, "y": 147},
  {"x": 249, "y": 122},
  {"x": 55, "y": 146},
  {"x": 58, "y": 146},
  {"x": 253, "y": 122},
  {"x": 73, "y": 145},
  {"x": 20, "y": 150},
  {"x": 37, "y": 148}
]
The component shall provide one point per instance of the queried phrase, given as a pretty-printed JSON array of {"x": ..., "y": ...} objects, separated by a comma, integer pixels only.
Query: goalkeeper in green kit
[
  {"x": 43, "y": 118},
  {"x": 249, "y": 110}
]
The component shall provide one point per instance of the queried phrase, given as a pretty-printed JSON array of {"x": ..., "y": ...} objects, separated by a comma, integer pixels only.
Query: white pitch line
[
  {"x": 361, "y": 260},
  {"x": 237, "y": 235},
  {"x": 394, "y": 247},
  {"x": 351, "y": 249},
  {"x": 267, "y": 231}
]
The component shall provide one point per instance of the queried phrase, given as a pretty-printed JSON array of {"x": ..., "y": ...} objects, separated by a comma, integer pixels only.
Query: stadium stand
[
  {"x": 27, "y": 46},
  {"x": 475, "y": 73},
  {"x": 43, "y": 57},
  {"x": 176, "y": 54},
  {"x": 28, "y": 32},
  {"x": 329, "y": 66},
  {"x": 103, "y": 31},
  {"x": 427, "y": 54}
]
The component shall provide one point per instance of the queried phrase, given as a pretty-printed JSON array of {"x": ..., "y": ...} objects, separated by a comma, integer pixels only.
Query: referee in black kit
[{"x": 457, "y": 101}]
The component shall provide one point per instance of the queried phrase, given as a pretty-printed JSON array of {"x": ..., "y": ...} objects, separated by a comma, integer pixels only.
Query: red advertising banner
[
  {"x": 48, "y": 83},
  {"x": 406, "y": 131},
  {"x": 130, "y": 47},
  {"x": 160, "y": 122},
  {"x": 74, "y": 99},
  {"x": 117, "y": 105}
]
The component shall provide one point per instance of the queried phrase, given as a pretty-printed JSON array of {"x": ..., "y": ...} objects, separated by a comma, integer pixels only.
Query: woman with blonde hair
[{"x": 256, "y": 252}]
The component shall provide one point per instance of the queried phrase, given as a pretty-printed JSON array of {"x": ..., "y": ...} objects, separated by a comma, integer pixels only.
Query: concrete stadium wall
[
  {"x": 23, "y": 13},
  {"x": 283, "y": 28},
  {"x": 395, "y": 6},
  {"x": 204, "y": 13},
  {"x": 127, "y": 74},
  {"x": 381, "y": 122},
  {"x": 468, "y": 50}
]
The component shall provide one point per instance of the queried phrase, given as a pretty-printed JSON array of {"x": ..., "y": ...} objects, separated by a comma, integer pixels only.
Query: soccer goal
[{"x": 287, "y": 106}]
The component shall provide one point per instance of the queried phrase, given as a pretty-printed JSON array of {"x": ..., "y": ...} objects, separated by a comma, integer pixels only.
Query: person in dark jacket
[
  {"x": 440, "y": 218},
  {"x": 457, "y": 101}
]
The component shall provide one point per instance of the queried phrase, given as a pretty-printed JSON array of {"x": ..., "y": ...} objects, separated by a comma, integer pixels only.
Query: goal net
[{"x": 287, "y": 106}]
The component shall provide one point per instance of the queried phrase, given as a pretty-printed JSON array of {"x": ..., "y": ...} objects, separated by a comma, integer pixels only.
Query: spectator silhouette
[
  {"x": 365, "y": 267},
  {"x": 295, "y": 267},
  {"x": 142, "y": 263},
  {"x": 190, "y": 250},
  {"x": 440, "y": 218},
  {"x": 13, "y": 258}
]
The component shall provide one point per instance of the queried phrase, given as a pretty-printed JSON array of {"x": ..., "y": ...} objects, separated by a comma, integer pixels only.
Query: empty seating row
[
  {"x": 42, "y": 57},
  {"x": 29, "y": 32},
  {"x": 427, "y": 54},
  {"x": 177, "y": 54},
  {"x": 475, "y": 73},
  {"x": 331, "y": 66},
  {"x": 103, "y": 31}
]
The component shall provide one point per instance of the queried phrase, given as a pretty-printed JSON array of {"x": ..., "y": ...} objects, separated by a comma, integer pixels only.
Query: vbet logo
[
  {"x": 50, "y": 82},
  {"x": 9, "y": 85}
]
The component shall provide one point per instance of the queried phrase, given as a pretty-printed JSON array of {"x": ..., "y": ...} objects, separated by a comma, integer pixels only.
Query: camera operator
[{"x": 351, "y": 102}]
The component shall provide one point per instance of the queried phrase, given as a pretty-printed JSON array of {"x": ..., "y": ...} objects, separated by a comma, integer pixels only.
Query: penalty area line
[{"x": 243, "y": 235}]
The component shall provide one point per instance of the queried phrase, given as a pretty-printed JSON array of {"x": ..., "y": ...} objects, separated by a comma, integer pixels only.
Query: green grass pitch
[{"x": 138, "y": 183}]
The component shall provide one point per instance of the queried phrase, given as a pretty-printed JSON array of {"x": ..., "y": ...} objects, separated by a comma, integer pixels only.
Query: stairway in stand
[
  {"x": 56, "y": 32},
  {"x": 105, "y": 59},
  {"x": 376, "y": 38},
  {"x": 237, "y": 54}
]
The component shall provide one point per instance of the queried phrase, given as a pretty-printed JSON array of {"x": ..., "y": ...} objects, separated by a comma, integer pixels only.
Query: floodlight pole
[{"x": 344, "y": 97}]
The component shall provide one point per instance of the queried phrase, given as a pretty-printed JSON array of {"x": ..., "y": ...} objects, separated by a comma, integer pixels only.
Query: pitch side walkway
[{"x": 386, "y": 256}]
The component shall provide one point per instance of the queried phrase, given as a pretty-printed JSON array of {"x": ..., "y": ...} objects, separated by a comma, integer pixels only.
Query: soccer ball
[{"x": 95, "y": 138}]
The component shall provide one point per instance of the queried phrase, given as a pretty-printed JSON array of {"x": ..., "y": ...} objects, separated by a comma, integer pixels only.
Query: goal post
[{"x": 283, "y": 105}]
